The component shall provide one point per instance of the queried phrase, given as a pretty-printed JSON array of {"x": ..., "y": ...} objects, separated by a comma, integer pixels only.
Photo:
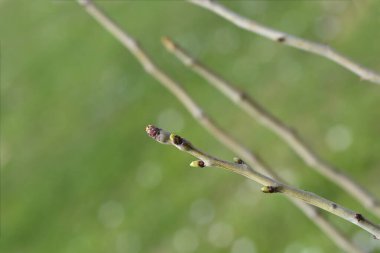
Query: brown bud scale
[{"x": 177, "y": 140}]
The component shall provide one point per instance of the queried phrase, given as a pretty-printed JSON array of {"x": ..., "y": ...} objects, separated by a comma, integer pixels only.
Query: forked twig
[
  {"x": 340, "y": 240},
  {"x": 290, "y": 136},
  {"x": 270, "y": 185},
  {"x": 289, "y": 40}
]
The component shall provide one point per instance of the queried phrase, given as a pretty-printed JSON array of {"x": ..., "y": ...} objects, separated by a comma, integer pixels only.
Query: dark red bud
[{"x": 152, "y": 131}]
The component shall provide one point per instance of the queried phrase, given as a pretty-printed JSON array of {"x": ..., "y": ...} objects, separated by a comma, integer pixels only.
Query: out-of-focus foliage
[{"x": 78, "y": 173}]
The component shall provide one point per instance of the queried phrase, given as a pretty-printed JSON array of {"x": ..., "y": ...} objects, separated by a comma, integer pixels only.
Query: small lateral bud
[
  {"x": 269, "y": 189},
  {"x": 281, "y": 39},
  {"x": 359, "y": 217},
  {"x": 238, "y": 160},
  {"x": 177, "y": 140},
  {"x": 198, "y": 163}
]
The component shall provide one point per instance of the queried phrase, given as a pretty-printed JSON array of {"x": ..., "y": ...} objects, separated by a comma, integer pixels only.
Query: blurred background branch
[{"x": 290, "y": 40}]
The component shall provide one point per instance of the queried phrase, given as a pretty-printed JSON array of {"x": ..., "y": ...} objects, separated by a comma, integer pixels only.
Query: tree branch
[
  {"x": 270, "y": 185},
  {"x": 175, "y": 88},
  {"x": 290, "y": 136},
  {"x": 289, "y": 40}
]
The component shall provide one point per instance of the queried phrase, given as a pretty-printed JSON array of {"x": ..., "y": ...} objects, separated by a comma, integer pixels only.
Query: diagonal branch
[
  {"x": 332, "y": 232},
  {"x": 290, "y": 136},
  {"x": 289, "y": 40},
  {"x": 270, "y": 185}
]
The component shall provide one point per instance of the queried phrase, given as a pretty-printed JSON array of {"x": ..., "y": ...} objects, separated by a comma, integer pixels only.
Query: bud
[
  {"x": 198, "y": 163},
  {"x": 158, "y": 134},
  {"x": 177, "y": 140},
  {"x": 238, "y": 160},
  {"x": 269, "y": 189},
  {"x": 152, "y": 131}
]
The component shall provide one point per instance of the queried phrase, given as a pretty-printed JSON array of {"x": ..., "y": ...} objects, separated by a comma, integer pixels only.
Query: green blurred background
[{"x": 79, "y": 174}]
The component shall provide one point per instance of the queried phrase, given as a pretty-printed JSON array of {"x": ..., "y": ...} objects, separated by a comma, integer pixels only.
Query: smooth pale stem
[
  {"x": 289, "y": 40},
  {"x": 270, "y": 185}
]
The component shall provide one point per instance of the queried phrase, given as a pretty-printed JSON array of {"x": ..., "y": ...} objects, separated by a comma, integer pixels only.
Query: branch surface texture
[
  {"x": 175, "y": 88},
  {"x": 270, "y": 185},
  {"x": 289, "y": 40},
  {"x": 290, "y": 136}
]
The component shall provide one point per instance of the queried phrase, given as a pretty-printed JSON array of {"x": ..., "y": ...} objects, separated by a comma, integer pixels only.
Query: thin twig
[
  {"x": 270, "y": 185},
  {"x": 289, "y": 135},
  {"x": 336, "y": 236},
  {"x": 289, "y": 40}
]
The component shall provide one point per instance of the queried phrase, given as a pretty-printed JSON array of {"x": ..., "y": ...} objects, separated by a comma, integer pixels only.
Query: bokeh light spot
[
  {"x": 243, "y": 245},
  {"x": 111, "y": 214},
  {"x": 171, "y": 119},
  {"x": 338, "y": 138},
  {"x": 185, "y": 240},
  {"x": 221, "y": 235},
  {"x": 202, "y": 211},
  {"x": 149, "y": 175}
]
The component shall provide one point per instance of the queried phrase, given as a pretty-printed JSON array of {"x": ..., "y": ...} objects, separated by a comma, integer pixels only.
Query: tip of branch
[
  {"x": 157, "y": 133},
  {"x": 152, "y": 131},
  {"x": 167, "y": 42}
]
